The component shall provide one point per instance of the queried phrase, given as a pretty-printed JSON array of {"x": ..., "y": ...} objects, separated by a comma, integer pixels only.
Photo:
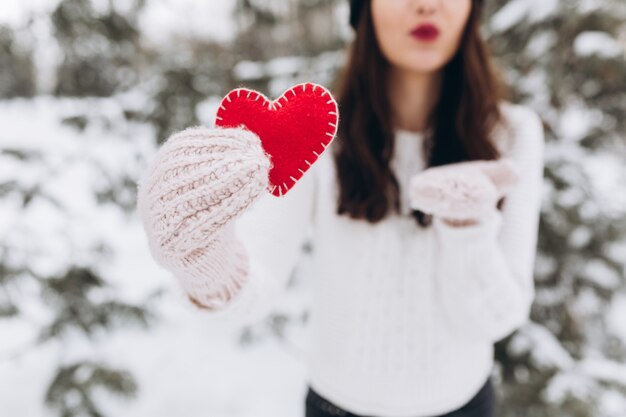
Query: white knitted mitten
[
  {"x": 463, "y": 190},
  {"x": 200, "y": 180}
]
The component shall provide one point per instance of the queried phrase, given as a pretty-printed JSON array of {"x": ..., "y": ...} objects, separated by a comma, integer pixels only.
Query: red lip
[{"x": 426, "y": 32}]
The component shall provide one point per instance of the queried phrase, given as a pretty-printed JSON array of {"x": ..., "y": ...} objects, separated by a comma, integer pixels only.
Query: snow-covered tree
[
  {"x": 17, "y": 77},
  {"x": 56, "y": 291},
  {"x": 99, "y": 43},
  {"x": 567, "y": 61}
]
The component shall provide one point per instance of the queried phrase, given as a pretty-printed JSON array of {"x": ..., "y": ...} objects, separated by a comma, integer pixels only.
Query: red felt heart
[{"x": 295, "y": 129}]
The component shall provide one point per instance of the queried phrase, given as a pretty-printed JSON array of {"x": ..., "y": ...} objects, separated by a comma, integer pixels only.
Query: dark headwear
[{"x": 355, "y": 11}]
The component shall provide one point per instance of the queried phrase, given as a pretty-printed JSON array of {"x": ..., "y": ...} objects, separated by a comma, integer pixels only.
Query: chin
[{"x": 424, "y": 64}]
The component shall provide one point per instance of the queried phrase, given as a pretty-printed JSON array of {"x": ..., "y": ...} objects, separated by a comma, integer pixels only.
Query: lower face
[{"x": 394, "y": 20}]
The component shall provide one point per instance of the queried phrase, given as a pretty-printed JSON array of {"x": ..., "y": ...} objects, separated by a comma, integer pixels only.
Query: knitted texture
[
  {"x": 465, "y": 190},
  {"x": 403, "y": 319},
  {"x": 199, "y": 182}
]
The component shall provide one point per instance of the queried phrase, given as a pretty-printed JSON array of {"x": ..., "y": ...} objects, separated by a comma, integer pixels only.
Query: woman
[{"x": 406, "y": 304}]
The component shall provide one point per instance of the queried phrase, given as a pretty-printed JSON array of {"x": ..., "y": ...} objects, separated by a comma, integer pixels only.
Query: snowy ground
[{"x": 186, "y": 364}]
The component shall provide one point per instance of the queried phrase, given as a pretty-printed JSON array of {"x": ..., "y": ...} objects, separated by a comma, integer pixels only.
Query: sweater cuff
[
  {"x": 486, "y": 228},
  {"x": 252, "y": 303}
]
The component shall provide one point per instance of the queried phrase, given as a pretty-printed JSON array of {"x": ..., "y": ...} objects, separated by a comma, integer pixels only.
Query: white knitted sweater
[{"x": 403, "y": 318}]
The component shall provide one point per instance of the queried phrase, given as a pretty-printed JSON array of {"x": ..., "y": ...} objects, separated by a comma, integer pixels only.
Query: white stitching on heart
[{"x": 272, "y": 106}]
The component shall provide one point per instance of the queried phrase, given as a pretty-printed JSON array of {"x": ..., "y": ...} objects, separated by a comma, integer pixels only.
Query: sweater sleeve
[{"x": 485, "y": 272}]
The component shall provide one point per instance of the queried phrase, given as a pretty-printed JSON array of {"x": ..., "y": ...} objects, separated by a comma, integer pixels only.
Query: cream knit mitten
[
  {"x": 462, "y": 190},
  {"x": 199, "y": 182}
]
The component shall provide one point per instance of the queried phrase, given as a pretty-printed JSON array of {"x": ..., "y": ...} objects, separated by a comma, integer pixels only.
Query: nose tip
[{"x": 425, "y": 6}]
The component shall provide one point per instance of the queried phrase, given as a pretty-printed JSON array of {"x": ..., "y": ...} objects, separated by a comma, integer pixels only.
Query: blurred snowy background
[{"x": 90, "y": 326}]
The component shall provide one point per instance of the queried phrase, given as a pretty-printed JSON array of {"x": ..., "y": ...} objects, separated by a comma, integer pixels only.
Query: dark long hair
[{"x": 363, "y": 148}]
